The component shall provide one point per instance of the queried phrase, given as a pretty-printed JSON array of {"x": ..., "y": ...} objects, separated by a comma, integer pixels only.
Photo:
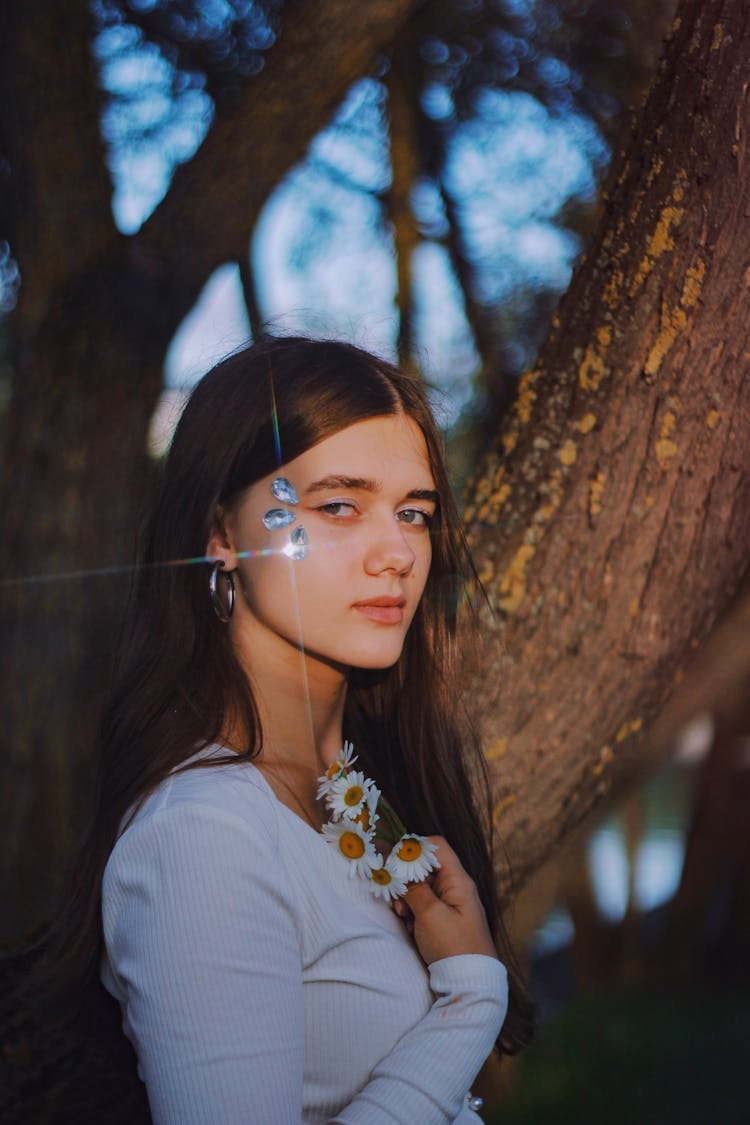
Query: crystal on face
[
  {"x": 297, "y": 547},
  {"x": 278, "y": 517},
  {"x": 284, "y": 490}
]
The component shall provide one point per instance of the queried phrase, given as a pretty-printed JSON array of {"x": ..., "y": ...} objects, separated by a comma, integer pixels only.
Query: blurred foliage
[
  {"x": 515, "y": 105},
  {"x": 624, "y": 1055}
]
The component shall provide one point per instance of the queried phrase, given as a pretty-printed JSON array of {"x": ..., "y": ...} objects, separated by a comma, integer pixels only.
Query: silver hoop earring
[{"x": 223, "y": 612}]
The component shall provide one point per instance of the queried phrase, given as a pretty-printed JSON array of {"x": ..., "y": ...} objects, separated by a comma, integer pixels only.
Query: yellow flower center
[
  {"x": 409, "y": 851},
  {"x": 363, "y": 818},
  {"x": 353, "y": 795},
  {"x": 352, "y": 845},
  {"x": 381, "y": 875},
  {"x": 332, "y": 770}
]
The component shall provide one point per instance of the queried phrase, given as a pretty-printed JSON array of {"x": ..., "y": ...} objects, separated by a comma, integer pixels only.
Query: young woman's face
[{"x": 366, "y": 497}]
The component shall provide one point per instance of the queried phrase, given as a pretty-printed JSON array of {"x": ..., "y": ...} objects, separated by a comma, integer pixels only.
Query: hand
[{"x": 447, "y": 916}]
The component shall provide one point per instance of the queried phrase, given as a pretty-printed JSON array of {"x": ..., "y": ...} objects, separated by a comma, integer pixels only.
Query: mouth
[{"x": 385, "y": 610}]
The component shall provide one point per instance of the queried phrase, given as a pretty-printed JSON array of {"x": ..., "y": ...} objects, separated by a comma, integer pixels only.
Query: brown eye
[
  {"x": 338, "y": 508},
  {"x": 415, "y": 516}
]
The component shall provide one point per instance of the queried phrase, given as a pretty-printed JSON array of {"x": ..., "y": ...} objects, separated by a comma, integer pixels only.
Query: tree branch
[{"x": 215, "y": 198}]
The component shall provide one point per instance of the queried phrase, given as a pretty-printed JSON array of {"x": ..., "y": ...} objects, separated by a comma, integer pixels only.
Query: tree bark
[{"x": 609, "y": 520}]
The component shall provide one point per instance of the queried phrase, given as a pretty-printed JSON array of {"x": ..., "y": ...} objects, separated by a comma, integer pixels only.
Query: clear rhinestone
[
  {"x": 475, "y": 1102},
  {"x": 278, "y": 517},
  {"x": 284, "y": 491},
  {"x": 297, "y": 546}
]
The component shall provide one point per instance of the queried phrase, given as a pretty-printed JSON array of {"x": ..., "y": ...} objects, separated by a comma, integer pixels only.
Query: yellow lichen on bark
[
  {"x": 654, "y": 170},
  {"x": 674, "y": 321},
  {"x": 502, "y": 805},
  {"x": 606, "y": 754},
  {"x": 526, "y": 397},
  {"x": 613, "y": 289},
  {"x": 673, "y": 324},
  {"x": 593, "y": 368},
  {"x": 513, "y": 583},
  {"x": 486, "y": 573},
  {"x": 501, "y": 496},
  {"x": 634, "y": 607},
  {"x": 691, "y": 290},
  {"x": 665, "y": 448},
  {"x": 568, "y": 453},
  {"x": 596, "y": 490},
  {"x": 586, "y": 424},
  {"x": 496, "y": 749},
  {"x": 662, "y": 240},
  {"x": 712, "y": 419},
  {"x": 631, "y": 726},
  {"x": 509, "y": 439}
]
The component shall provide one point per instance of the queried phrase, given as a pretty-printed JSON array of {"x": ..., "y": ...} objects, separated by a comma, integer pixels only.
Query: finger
[
  {"x": 419, "y": 897},
  {"x": 449, "y": 861}
]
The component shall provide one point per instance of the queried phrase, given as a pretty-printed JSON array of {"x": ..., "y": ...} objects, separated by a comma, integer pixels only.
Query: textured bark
[
  {"x": 610, "y": 520},
  {"x": 96, "y": 314},
  {"x": 402, "y": 100}
]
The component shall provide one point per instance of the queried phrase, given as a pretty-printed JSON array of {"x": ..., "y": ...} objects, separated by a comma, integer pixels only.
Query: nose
[{"x": 388, "y": 548}]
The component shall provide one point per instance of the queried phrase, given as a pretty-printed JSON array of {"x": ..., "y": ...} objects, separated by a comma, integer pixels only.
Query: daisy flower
[
  {"x": 367, "y": 818},
  {"x": 354, "y": 844},
  {"x": 342, "y": 762},
  {"x": 383, "y": 882},
  {"x": 350, "y": 793},
  {"x": 412, "y": 858}
]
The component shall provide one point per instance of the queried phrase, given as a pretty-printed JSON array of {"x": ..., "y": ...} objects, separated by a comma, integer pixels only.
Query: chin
[
  {"x": 368, "y": 657},
  {"x": 380, "y": 660}
]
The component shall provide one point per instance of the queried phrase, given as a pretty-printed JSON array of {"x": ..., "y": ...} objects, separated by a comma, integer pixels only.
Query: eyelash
[{"x": 425, "y": 519}]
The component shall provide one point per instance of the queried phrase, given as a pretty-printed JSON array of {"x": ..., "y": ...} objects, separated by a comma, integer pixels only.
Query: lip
[{"x": 385, "y": 610}]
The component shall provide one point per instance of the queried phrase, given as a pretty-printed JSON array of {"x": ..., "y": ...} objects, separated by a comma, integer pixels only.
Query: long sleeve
[
  {"x": 202, "y": 937},
  {"x": 427, "y": 1074}
]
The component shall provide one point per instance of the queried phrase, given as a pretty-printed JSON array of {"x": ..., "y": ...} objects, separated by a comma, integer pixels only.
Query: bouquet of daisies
[{"x": 356, "y": 806}]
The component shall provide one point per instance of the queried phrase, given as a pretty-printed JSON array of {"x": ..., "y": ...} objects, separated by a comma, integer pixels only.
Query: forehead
[{"x": 391, "y": 449}]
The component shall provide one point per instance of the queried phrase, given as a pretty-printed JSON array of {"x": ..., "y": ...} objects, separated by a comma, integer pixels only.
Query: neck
[{"x": 300, "y": 701}]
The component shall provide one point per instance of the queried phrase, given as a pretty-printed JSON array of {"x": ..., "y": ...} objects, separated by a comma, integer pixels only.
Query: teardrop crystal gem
[
  {"x": 278, "y": 517},
  {"x": 284, "y": 490},
  {"x": 297, "y": 547}
]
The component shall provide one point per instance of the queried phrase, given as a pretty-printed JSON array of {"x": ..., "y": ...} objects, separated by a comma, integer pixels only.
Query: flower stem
[{"x": 392, "y": 818}]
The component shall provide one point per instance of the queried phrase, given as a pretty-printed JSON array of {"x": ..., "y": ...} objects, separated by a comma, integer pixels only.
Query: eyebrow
[{"x": 366, "y": 484}]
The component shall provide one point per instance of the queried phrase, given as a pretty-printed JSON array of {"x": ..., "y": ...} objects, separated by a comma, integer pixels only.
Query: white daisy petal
[
  {"x": 353, "y": 843},
  {"x": 413, "y": 858},
  {"x": 383, "y": 882},
  {"x": 342, "y": 762},
  {"x": 348, "y": 794}
]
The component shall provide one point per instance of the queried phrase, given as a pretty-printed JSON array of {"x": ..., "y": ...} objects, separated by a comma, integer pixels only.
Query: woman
[{"x": 258, "y": 981}]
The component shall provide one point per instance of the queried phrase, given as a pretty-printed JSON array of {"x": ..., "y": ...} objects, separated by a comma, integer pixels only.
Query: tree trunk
[{"x": 609, "y": 521}]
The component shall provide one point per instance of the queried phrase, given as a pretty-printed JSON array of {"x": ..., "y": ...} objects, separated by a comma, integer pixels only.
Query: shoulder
[
  {"x": 202, "y": 810},
  {"x": 236, "y": 790}
]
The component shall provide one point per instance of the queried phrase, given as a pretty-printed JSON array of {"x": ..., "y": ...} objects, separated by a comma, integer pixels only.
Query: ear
[{"x": 220, "y": 546}]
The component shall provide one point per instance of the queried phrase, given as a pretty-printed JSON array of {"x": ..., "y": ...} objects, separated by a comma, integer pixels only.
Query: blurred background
[{"x": 436, "y": 218}]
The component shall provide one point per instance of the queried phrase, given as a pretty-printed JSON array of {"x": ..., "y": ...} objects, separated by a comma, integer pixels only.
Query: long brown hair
[{"x": 180, "y": 684}]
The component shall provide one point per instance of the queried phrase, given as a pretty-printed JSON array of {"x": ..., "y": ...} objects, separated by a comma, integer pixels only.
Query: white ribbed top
[{"x": 260, "y": 984}]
